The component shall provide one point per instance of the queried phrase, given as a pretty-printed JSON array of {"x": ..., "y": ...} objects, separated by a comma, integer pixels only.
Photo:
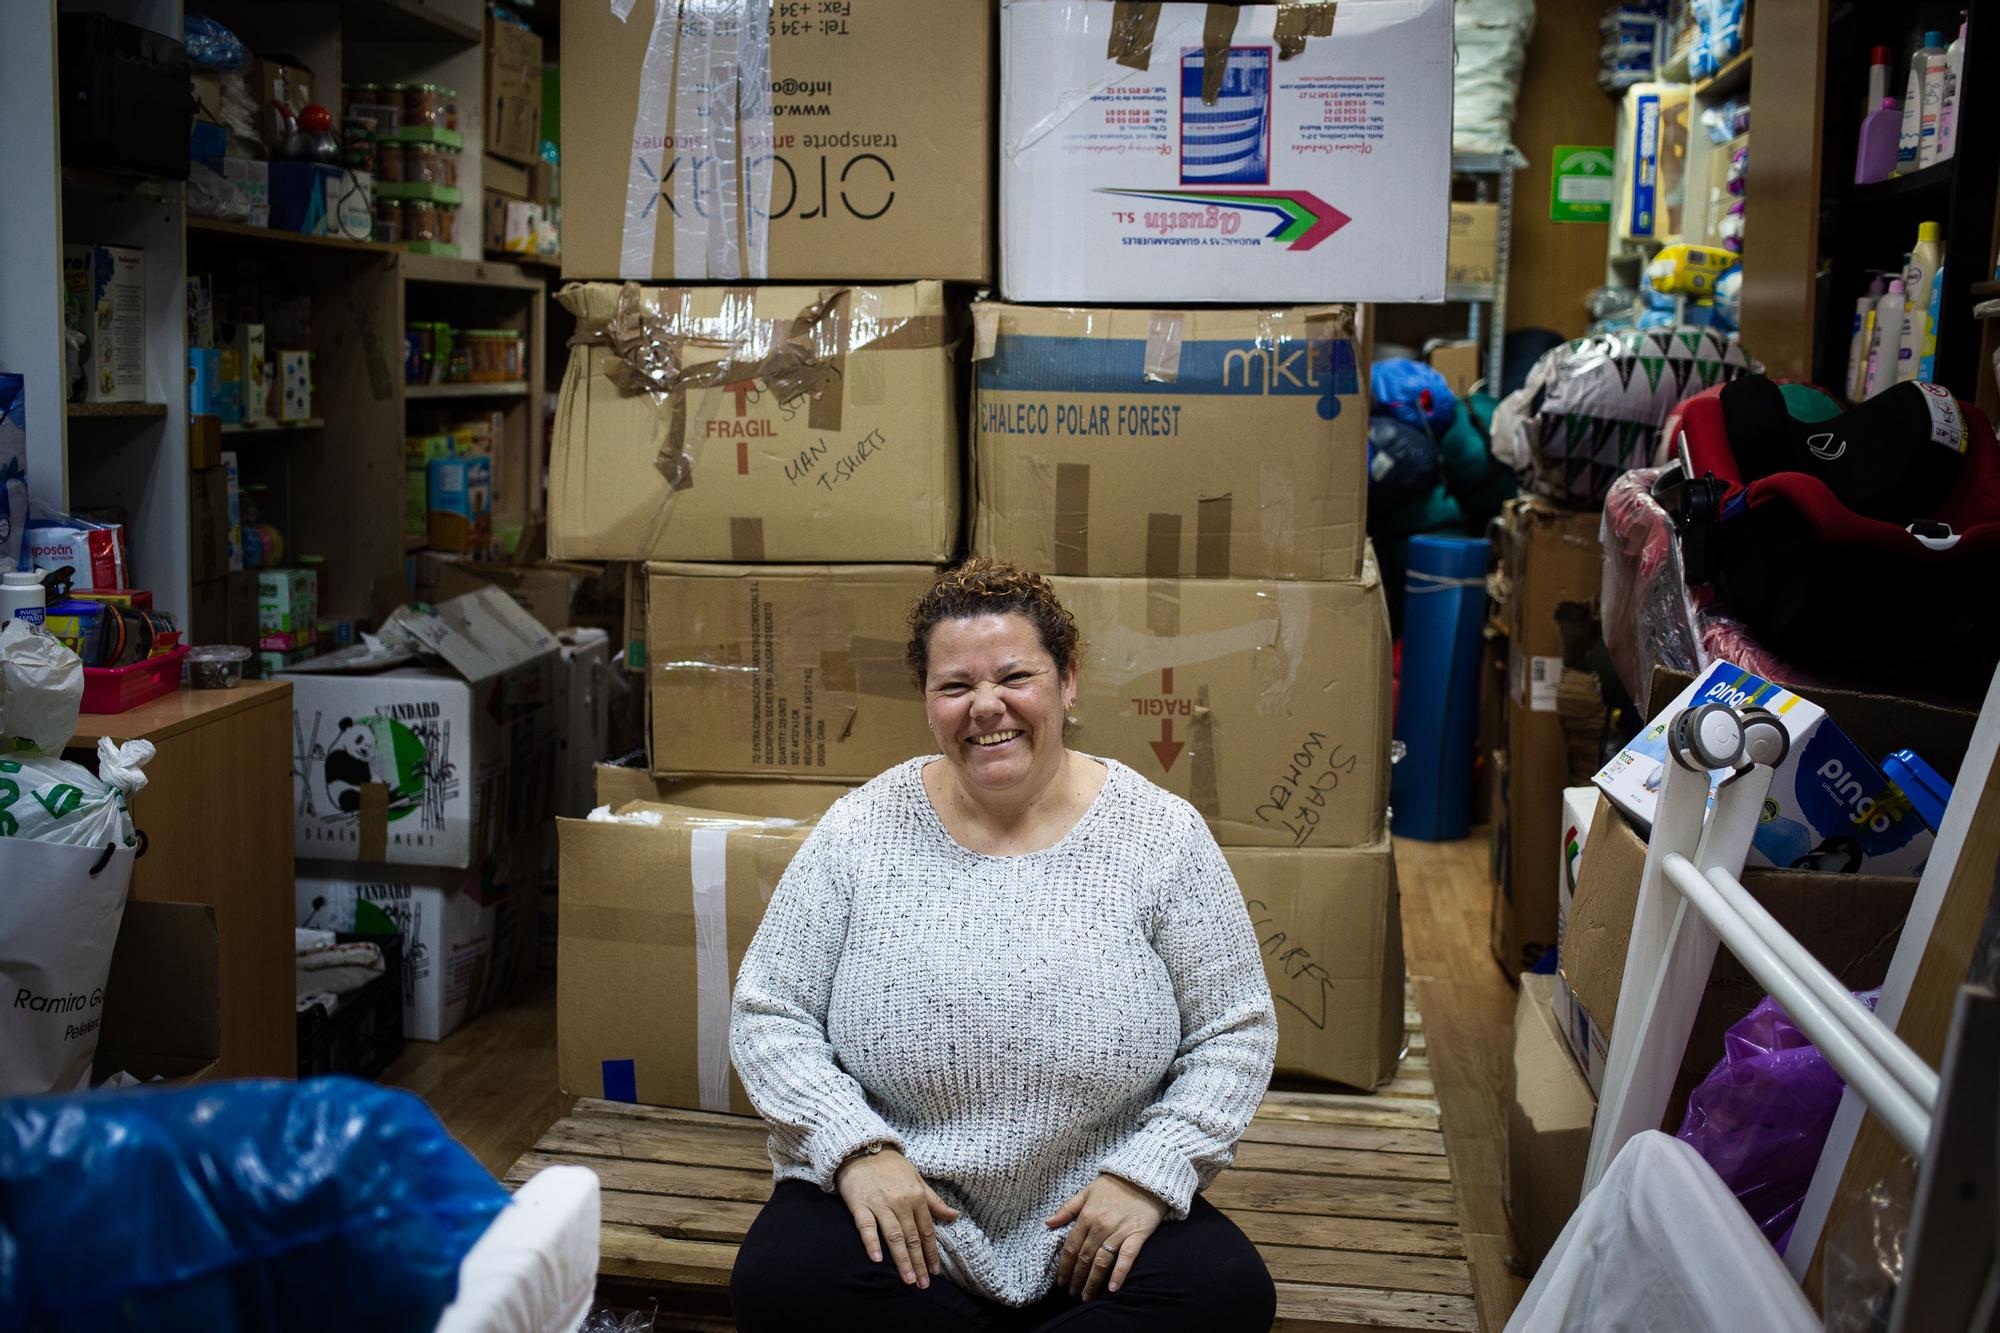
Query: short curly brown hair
[{"x": 983, "y": 586}]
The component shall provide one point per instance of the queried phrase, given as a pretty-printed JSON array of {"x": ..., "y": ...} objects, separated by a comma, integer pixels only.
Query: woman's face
[{"x": 996, "y": 701}]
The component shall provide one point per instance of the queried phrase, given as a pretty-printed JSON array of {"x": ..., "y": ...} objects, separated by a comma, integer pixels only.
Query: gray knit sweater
[{"x": 1014, "y": 1024}]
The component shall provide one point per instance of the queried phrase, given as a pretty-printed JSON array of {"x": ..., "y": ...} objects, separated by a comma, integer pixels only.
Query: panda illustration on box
[{"x": 352, "y": 762}]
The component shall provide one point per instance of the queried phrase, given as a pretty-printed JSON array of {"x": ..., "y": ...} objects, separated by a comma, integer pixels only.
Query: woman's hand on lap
[
  {"x": 1113, "y": 1218},
  {"x": 893, "y": 1210}
]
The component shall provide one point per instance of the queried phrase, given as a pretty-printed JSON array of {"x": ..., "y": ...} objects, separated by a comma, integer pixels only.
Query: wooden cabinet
[{"x": 217, "y": 814}]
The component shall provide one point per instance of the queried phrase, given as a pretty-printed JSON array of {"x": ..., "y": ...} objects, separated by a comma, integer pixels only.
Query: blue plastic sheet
[{"x": 328, "y": 1204}]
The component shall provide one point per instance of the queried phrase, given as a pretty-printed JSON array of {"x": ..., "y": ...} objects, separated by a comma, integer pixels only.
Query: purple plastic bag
[{"x": 1761, "y": 1116}]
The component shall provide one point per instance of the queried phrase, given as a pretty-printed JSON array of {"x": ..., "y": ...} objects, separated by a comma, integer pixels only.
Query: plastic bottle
[
  {"x": 1937, "y": 89},
  {"x": 1888, "y": 340},
  {"x": 1927, "y": 363},
  {"x": 1918, "y": 276},
  {"x": 1875, "y": 155},
  {"x": 1857, "y": 347},
  {"x": 1910, "y": 143},
  {"x": 1878, "y": 79},
  {"x": 21, "y": 596},
  {"x": 1954, "y": 59}
]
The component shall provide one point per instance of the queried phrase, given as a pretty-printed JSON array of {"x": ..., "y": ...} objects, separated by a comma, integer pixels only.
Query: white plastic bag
[
  {"x": 41, "y": 689},
  {"x": 45, "y": 799},
  {"x": 58, "y": 923}
]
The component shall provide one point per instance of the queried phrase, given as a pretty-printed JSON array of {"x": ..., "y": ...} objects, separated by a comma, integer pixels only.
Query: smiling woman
[{"x": 1006, "y": 1018}]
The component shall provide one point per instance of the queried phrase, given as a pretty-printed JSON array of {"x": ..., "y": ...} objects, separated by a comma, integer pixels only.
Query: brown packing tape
[
  {"x": 1132, "y": 27},
  {"x": 1204, "y": 788},
  {"x": 985, "y": 331},
  {"x": 1211, "y": 537},
  {"x": 746, "y": 540},
  {"x": 1298, "y": 20},
  {"x": 880, "y": 669},
  {"x": 1072, "y": 518},
  {"x": 1163, "y": 608},
  {"x": 374, "y": 822},
  {"x": 1163, "y": 347},
  {"x": 825, "y": 409},
  {"x": 1218, "y": 28}
]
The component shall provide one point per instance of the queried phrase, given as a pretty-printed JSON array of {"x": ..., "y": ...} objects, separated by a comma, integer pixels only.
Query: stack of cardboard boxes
[{"x": 791, "y": 462}]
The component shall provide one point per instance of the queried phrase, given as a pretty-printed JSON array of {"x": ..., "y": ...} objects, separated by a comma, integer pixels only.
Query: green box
[{"x": 287, "y": 601}]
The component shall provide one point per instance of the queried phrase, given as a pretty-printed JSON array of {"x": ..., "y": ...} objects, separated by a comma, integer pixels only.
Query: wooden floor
[{"x": 1368, "y": 1216}]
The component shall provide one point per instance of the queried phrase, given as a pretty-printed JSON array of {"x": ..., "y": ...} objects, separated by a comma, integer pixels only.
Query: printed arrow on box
[
  {"x": 1167, "y": 748},
  {"x": 1303, "y": 219}
]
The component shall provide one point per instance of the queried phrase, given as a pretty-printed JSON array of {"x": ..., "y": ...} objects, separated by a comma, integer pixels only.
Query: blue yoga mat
[{"x": 1437, "y": 713}]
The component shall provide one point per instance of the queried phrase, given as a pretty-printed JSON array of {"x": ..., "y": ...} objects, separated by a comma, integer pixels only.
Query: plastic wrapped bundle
[
  {"x": 1592, "y": 408},
  {"x": 1651, "y": 617},
  {"x": 329, "y": 1204},
  {"x": 1491, "y": 37}
]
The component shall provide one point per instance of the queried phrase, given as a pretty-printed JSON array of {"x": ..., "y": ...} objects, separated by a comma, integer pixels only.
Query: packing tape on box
[
  {"x": 374, "y": 825},
  {"x": 1135, "y": 27},
  {"x": 708, "y": 867},
  {"x": 653, "y": 333},
  {"x": 1163, "y": 347},
  {"x": 704, "y": 102},
  {"x": 1072, "y": 519}
]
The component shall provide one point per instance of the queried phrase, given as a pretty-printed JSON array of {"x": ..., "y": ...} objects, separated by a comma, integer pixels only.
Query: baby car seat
[{"x": 1867, "y": 542}]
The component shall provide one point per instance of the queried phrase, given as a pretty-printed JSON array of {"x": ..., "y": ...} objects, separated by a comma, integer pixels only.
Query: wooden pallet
[{"x": 1347, "y": 1196}]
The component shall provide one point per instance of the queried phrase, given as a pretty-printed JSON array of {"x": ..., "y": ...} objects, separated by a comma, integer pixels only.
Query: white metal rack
[{"x": 1492, "y": 175}]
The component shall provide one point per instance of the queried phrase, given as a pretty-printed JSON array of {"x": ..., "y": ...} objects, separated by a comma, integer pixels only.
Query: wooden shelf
[
  {"x": 1732, "y": 76},
  {"x": 1985, "y": 291},
  {"x": 76, "y": 410},
  {"x": 274, "y": 427},
  {"x": 106, "y": 182},
  {"x": 516, "y": 389},
  {"x": 272, "y": 236},
  {"x": 405, "y": 22},
  {"x": 446, "y": 271},
  {"x": 533, "y": 261},
  {"x": 1932, "y": 180}
]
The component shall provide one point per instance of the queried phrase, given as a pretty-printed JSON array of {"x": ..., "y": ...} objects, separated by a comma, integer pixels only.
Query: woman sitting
[{"x": 1006, "y": 1017}]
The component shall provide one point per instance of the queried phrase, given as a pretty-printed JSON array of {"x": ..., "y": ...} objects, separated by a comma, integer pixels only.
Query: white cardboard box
[
  {"x": 1829, "y": 809},
  {"x": 461, "y": 742},
  {"x": 104, "y": 299},
  {"x": 1278, "y": 163},
  {"x": 467, "y": 934},
  {"x": 1586, "y": 1042}
]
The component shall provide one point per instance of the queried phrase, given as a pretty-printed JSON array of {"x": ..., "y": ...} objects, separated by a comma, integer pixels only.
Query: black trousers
[{"x": 802, "y": 1267}]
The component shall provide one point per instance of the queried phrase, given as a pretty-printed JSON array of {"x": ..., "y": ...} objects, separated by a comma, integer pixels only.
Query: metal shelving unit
[{"x": 1492, "y": 175}]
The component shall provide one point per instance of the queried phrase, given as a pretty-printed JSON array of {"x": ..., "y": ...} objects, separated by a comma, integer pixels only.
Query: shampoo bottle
[
  {"x": 1878, "y": 79},
  {"x": 1937, "y": 90},
  {"x": 1918, "y": 278},
  {"x": 1954, "y": 59},
  {"x": 1926, "y": 365},
  {"x": 1875, "y": 156},
  {"x": 1857, "y": 347},
  {"x": 1909, "y": 144},
  {"x": 1888, "y": 340}
]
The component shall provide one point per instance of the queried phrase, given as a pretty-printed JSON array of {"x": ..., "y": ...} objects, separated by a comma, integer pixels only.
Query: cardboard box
[
  {"x": 1212, "y": 153},
  {"x": 468, "y": 935},
  {"x": 1459, "y": 363},
  {"x": 1850, "y": 923},
  {"x": 245, "y": 391},
  {"x": 1586, "y": 1044},
  {"x": 1097, "y": 433},
  {"x": 828, "y": 430},
  {"x": 397, "y": 760},
  {"x": 513, "y": 124},
  {"x": 295, "y": 386},
  {"x": 205, "y": 441},
  {"x": 880, "y": 147},
  {"x": 1550, "y": 1111},
  {"x": 104, "y": 299},
  {"x": 1550, "y": 558},
  {"x": 1472, "y": 254},
  {"x": 546, "y": 590},
  {"x": 460, "y": 510},
  {"x": 208, "y": 526},
  {"x": 583, "y": 704},
  {"x": 640, "y": 1014},
  {"x": 287, "y": 601},
  {"x": 1266, "y": 704},
  {"x": 514, "y": 226},
  {"x": 273, "y": 662},
  {"x": 251, "y": 180},
  {"x": 765, "y": 798},
  {"x": 1829, "y": 808},
  {"x": 163, "y": 996},
  {"x": 1329, "y": 922},
  {"x": 794, "y": 669},
  {"x": 499, "y": 176}
]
